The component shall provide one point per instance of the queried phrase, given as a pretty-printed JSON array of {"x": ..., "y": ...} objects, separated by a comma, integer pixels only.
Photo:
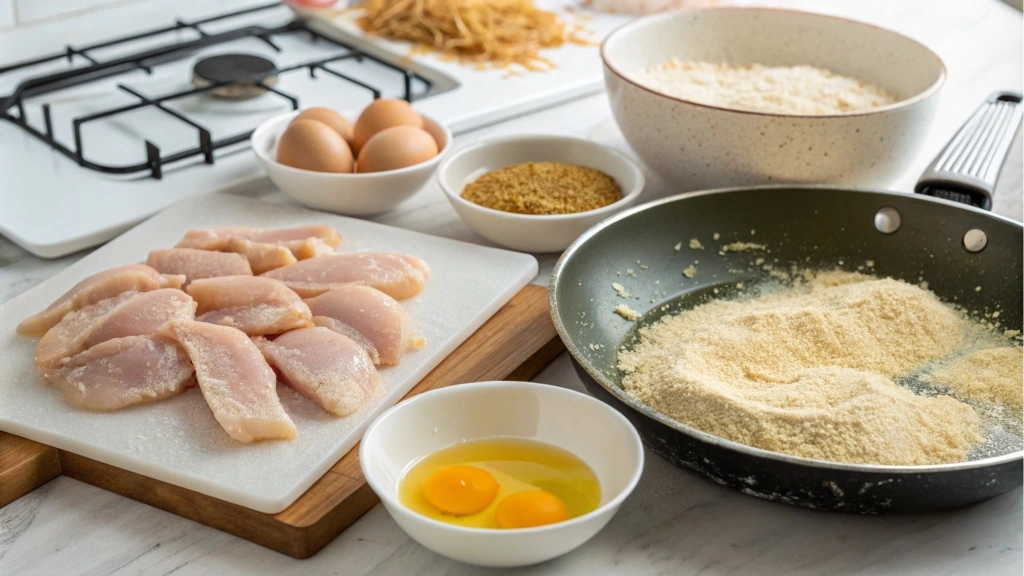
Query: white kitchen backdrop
[{"x": 22, "y": 19}]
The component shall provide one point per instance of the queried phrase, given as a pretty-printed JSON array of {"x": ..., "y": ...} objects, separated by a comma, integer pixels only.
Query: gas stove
[{"x": 95, "y": 138}]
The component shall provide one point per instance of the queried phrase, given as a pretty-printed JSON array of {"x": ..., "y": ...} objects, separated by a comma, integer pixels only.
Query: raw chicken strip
[
  {"x": 350, "y": 333},
  {"x": 236, "y": 381},
  {"x": 252, "y": 304},
  {"x": 59, "y": 341},
  {"x": 123, "y": 372},
  {"x": 324, "y": 239},
  {"x": 262, "y": 257},
  {"x": 196, "y": 264},
  {"x": 100, "y": 286},
  {"x": 397, "y": 275},
  {"x": 329, "y": 368},
  {"x": 375, "y": 315},
  {"x": 128, "y": 314}
]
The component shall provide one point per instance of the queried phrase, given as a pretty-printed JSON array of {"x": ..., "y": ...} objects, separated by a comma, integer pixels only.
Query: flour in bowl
[{"x": 790, "y": 90}]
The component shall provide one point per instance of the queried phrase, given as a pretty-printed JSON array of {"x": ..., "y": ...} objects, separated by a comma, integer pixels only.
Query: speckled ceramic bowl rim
[
  {"x": 259, "y": 134},
  {"x": 621, "y": 395},
  {"x": 627, "y": 197},
  {"x": 389, "y": 498},
  {"x": 905, "y": 103}
]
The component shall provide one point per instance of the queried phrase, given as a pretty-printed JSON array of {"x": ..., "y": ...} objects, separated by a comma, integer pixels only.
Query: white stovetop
[{"x": 675, "y": 522}]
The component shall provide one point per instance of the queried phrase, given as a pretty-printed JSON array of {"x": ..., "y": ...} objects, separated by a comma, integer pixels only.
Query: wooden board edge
[{"x": 24, "y": 466}]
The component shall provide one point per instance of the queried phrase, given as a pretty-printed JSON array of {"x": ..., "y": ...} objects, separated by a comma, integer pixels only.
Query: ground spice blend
[{"x": 543, "y": 188}]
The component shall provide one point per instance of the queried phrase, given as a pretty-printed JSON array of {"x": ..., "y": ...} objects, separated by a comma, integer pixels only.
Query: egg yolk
[
  {"x": 460, "y": 490},
  {"x": 530, "y": 508}
]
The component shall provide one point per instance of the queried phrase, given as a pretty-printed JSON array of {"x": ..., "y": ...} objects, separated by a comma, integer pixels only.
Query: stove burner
[
  {"x": 244, "y": 72},
  {"x": 253, "y": 74}
]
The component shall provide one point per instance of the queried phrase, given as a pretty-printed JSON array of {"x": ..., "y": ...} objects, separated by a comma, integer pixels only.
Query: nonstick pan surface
[{"x": 812, "y": 227}]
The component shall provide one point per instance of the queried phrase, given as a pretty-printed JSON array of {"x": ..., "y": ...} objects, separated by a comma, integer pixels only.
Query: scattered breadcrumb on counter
[
  {"x": 716, "y": 236},
  {"x": 620, "y": 290},
  {"x": 627, "y": 312},
  {"x": 690, "y": 271},
  {"x": 743, "y": 246},
  {"x": 695, "y": 244},
  {"x": 678, "y": 247}
]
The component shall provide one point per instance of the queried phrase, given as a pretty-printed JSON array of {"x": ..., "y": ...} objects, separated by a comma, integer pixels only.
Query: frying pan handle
[{"x": 967, "y": 169}]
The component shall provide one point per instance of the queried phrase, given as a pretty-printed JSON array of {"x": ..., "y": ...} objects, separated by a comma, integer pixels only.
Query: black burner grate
[{"x": 12, "y": 106}]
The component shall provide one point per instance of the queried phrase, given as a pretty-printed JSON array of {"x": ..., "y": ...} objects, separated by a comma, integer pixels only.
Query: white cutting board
[{"x": 178, "y": 440}]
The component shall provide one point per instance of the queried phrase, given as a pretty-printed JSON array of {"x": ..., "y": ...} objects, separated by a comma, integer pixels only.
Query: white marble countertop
[{"x": 675, "y": 522}]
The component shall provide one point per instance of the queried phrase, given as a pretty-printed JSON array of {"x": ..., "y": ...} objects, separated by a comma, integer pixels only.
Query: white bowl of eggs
[
  {"x": 501, "y": 473},
  {"x": 322, "y": 160}
]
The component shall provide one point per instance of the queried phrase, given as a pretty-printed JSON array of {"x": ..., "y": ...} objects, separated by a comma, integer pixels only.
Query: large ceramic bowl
[
  {"x": 417, "y": 427},
  {"x": 697, "y": 146}
]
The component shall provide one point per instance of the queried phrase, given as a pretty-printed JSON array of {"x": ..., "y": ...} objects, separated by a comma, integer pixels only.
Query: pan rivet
[
  {"x": 975, "y": 241},
  {"x": 887, "y": 220}
]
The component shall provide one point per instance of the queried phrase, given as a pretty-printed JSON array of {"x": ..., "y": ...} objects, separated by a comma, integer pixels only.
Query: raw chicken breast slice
[
  {"x": 59, "y": 341},
  {"x": 123, "y": 372},
  {"x": 308, "y": 248},
  {"x": 262, "y": 257},
  {"x": 252, "y": 304},
  {"x": 128, "y": 314},
  {"x": 329, "y": 368},
  {"x": 350, "y": 333},
  {"x": 375, "y": 315},
  {"x": 100, "y": 286},
  {"x": 236, "y": 381},
  {"x": 195, "y": 264},
  {"x": 292, "y": 238},
  {"x": 397, "y": 275}
]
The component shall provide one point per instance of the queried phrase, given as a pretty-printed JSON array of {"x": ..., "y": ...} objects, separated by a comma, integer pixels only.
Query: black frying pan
[{"x": 955, "y": 247}]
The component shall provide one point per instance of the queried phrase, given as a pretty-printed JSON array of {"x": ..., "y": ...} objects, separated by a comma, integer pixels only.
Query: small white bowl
[
  {"x": 528, "y": 232},
  {"x": 584, "y": 426},
  {"x": 350, "y": 194}
]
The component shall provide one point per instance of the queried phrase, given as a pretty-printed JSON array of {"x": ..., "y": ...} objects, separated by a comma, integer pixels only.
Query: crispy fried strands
[{"x": 488, "y": 33}]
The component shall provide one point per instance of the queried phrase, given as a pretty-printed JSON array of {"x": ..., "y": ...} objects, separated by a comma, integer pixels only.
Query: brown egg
[
  {"x": 329, "y": 117},
  {"x": 381, "y": 114},
  {"x": 313, "y": 145},
  {"x": 397, "y": 147}
]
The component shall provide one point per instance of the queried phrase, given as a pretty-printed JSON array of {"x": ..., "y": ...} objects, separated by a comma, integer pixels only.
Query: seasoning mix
[{"x": 543, "y": 188}]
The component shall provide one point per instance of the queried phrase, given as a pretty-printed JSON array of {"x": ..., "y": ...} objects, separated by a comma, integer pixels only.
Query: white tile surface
[
  {"x": 32, "y": 10},
  {"x": 6, "y": 13},
  {"x": 33, "y": 38}
]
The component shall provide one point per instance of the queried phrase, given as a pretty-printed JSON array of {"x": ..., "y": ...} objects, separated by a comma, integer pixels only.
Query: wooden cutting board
[{"x": 515, "y": 344}]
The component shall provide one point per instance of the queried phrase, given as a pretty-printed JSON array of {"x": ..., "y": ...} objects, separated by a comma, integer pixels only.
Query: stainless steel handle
[{"x": 967, "y": 169}]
